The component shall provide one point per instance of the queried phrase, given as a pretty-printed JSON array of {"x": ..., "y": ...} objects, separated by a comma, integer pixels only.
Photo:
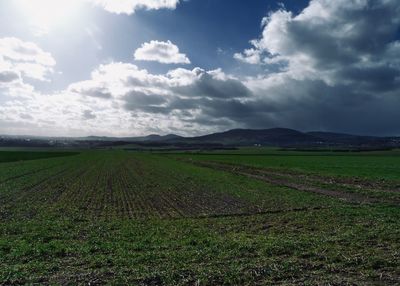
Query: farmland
[
  {"x": 11, "y": 156},
  {"x": 242, "y": 217}
]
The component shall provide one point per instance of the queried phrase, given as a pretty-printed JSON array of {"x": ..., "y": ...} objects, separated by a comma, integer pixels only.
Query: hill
[
  {"x": 280, "y": 137},
  {"x": 272, "y": 137}
]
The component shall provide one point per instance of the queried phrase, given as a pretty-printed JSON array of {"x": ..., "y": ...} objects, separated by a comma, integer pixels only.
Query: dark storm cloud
[
  {"x": 209, "y": 86},
  {"x": 331, "y": 108},
  {"x": 203, "y": 91},
  {"x": 149, "y": 103},
  {"x": 352, "y": 32},
  {"x": 223, "y": 123},
  {"x": 342, "y": 68},
  {"x": 142, "y": 99},
  {"x": 380, "y": 78}
]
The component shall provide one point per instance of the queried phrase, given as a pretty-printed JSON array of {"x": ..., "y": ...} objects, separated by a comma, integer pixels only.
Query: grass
[
  {"x": 373, "y": 165},
  {"x": 115, "y": 217},
  {"x": 11, "y": 156}
]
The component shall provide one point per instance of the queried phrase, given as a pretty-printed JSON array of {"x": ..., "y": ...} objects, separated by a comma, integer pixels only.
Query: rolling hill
[
  {"x": 282, "y": 137},
  {"x": 274, "y": 136}
]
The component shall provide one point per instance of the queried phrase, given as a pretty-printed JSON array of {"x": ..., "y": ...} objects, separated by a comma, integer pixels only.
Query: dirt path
[
  {"x": 247, "y": 214},
  {"x": 329, "y": 186},
  {"x": 349, "y": 182}
]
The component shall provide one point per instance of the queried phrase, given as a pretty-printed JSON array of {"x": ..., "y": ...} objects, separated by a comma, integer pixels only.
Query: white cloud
[
  {"x": 116, "y": 80},
  {"x": 130, "y": 6},
  {"x": 346, "y": 80},
  {"x": 25, "y": 58},
  {"x": 180, "y": 100},
  {"x": 162, "y": 52},
  {"x": 250, "y": 56}
]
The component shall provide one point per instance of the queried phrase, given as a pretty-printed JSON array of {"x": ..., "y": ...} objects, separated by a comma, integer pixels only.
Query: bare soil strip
[
  {"x": 351, "y": 182},
  {"x": 247, "y": 214},
  {"x": 303, "y": 182}
]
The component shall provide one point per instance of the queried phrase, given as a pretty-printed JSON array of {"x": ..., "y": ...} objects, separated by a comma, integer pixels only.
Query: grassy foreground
[
  {"x": 116, "y": 217},
  {"x": 11, "y": 156}
]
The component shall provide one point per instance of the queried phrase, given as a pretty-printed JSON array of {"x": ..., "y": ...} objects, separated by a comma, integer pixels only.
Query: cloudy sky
[{"x": 190, "y": 67}]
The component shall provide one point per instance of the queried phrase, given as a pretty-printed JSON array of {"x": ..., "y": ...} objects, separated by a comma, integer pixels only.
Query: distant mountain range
[
  {"x": 291, "y": 138},
  {"x": 152, "y": 138},
  {"x": 282, "y": 137},
  {"x": 274, "y": 137}
]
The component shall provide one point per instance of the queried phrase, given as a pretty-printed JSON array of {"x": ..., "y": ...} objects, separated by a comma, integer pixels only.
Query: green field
[
  {"x": 11, "y": 156},
  {"x": 247, "y": 217},
  {"x": 374, "y": 165}
]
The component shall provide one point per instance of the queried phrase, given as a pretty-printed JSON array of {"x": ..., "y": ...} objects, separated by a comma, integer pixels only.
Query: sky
[{"x": 192, "y": 67}]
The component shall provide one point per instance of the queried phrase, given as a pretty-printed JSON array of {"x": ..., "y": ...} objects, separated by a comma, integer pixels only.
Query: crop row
[{"x": 127, "y": 185}]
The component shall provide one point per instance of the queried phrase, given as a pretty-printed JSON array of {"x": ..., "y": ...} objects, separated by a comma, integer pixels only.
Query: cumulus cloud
[
  {"x": 25, "y": 58},
  {"x": 130, "y": 6},
  {"x": 180, "y": 96},
  {"x": 250, "y": 56},
  {"x": 338, "y": 65},
  {"x": 118, "y": 80},
  {"x": 162, "y": 52},
  {"x": 326, "y": 34},
  {"x": 212, "y": 84},
  {"x": 20, "y": 61},
  {"x": 334, "y": 66}
]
